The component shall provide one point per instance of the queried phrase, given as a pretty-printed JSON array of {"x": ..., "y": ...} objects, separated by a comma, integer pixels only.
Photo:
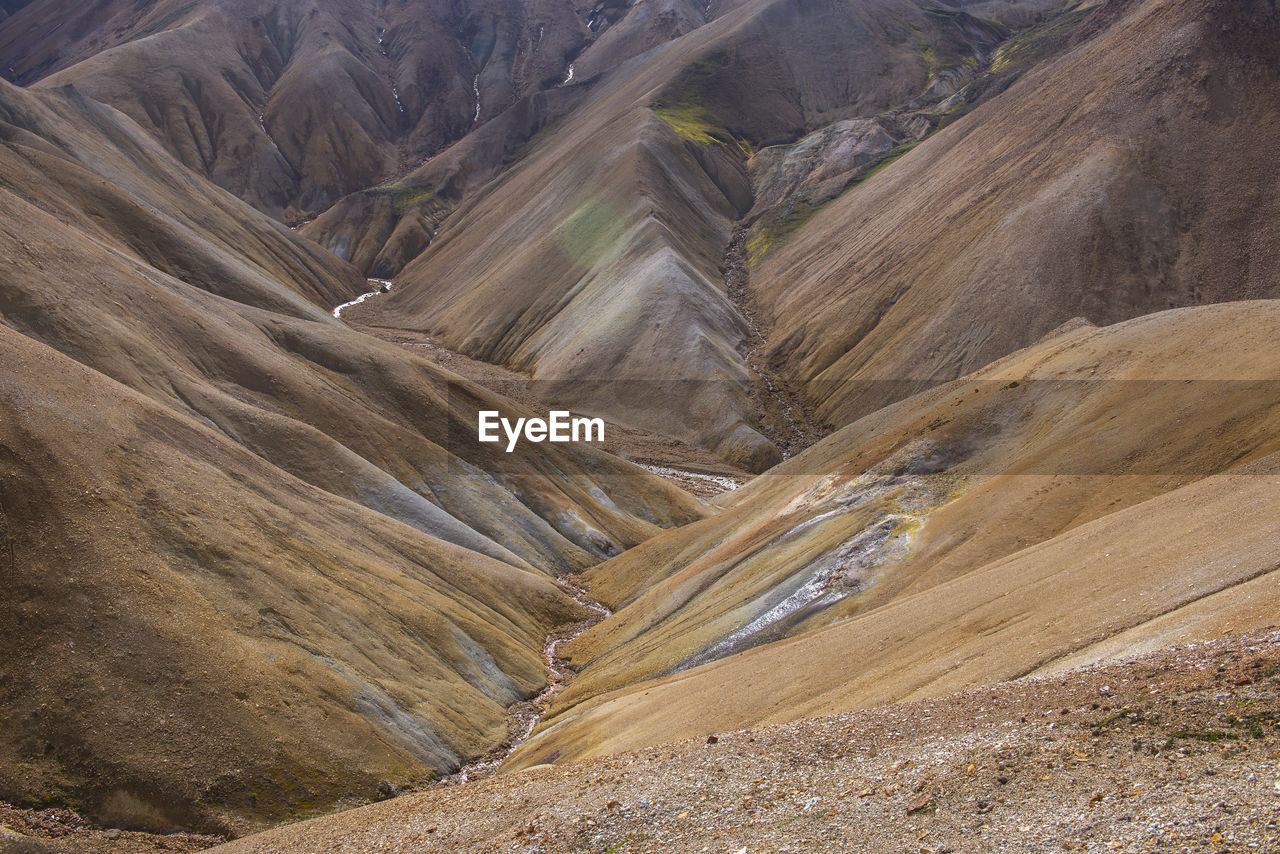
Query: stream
[
  {"x": 524, "y": 717},
  {"x": 384, "y": 286}
]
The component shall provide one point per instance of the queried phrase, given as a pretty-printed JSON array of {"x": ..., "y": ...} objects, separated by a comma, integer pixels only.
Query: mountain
[
  {"x": 293, "y": 105},
  {"x": 596, "y": 262},
  {"x": 192, "y": 440},
  {"x": 1123, "y": 178},
  {"x": 971, "y": 300},
  {"x": 1048, "y": 762},
  {"x": 1089, "y": 166},
  {"x": 1029, "y": 515}
]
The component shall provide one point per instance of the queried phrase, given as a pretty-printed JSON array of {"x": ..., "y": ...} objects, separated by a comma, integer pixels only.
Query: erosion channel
[{"x": 523, "y": 717}]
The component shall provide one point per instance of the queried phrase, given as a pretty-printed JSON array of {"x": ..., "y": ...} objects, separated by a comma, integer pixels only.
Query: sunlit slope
[
  {"x": 194, "y": 637},
  {"x": 1068, "y": 493},
  {"x": 1132, "y": 174}
]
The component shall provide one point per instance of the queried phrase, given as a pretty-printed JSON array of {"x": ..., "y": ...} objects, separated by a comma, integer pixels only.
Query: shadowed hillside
[
  {"x": 291, "y": 105},
  {"x": 1128, "y": 176}
]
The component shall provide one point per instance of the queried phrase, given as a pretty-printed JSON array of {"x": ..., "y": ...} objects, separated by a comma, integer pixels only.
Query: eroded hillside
[
  {"x": 1013, "y": 259},
  {"x": 192, "y": 440}
]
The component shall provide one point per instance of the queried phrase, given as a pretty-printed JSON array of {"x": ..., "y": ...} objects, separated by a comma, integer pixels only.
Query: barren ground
[{"x": 1177, "y": 751}]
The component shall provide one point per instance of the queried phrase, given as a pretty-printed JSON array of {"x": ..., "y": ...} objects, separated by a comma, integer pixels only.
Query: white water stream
[
  {"x": 383, "y": 287},
  {"x": 712, "y": 482},
  {"x": 262, "y": 123}
]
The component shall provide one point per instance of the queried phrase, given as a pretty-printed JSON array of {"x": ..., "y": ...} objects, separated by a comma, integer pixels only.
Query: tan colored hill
[
  {"x": 1067, "y": 503},
  {"x": 99, "y": 174},
  {"x": 256, "y": 567},
  {"x": 195, "y": 638},
  {"x": 252, "y": 567},
  {"x": 1130, "y": 175},
  {"x": 1176, "y": 751}
]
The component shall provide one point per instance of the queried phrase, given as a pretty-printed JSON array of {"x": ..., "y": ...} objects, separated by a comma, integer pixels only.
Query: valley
[{"x": 934, "y": 344}]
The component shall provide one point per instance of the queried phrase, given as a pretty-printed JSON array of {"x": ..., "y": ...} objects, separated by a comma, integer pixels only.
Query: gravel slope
[{"x": 1176, "y": 751}]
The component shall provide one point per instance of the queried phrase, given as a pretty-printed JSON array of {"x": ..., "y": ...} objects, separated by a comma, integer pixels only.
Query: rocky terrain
[
  {"x": 595, "y": 261},
  {"x": 1172, "y": 752},
  {"x": 935, "y": 344},
  {"x": 1077, "y": 168}
]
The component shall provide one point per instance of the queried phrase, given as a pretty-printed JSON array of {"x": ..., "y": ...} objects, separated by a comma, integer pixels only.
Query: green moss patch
[
  {"x": 692, "y": 122},
  {"x": 1030, "y": 46},
  {"x": 685, "y": 105},
  {"x": 406, "y": 197},
  {"x": 777, "y": 230}
]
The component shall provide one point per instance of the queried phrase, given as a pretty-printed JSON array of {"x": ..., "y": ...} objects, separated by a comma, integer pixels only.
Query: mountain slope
[
  {"x": 971, "y": 534},
  {"x": 194, "y": 638},
  {"x": 291, "y": 105},
  {"x": 1131, "y": 175},
  {"x": 256, "y": 563},
  {"x": 1085, "y": 167},
  {"x": 261, "y": 542},
  {"x": 595, "y": 262}
]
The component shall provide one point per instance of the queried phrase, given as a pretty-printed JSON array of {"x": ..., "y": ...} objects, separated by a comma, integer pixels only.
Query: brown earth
[
  {"x": 62, "y": 831},
  {"x": 1130, "y": 175},
  {"x": 596, "y": 260},
  {"x": 1084, "y": 167},
  {"x": 292, "y": 105},
  {"x": 255, "y": 568},
  {"x": 250, "y": 570},
  {"x": 684, "y": 464},
  {"x": 1030, "y": 512},
  {"x": 1172, "y": 752}
]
